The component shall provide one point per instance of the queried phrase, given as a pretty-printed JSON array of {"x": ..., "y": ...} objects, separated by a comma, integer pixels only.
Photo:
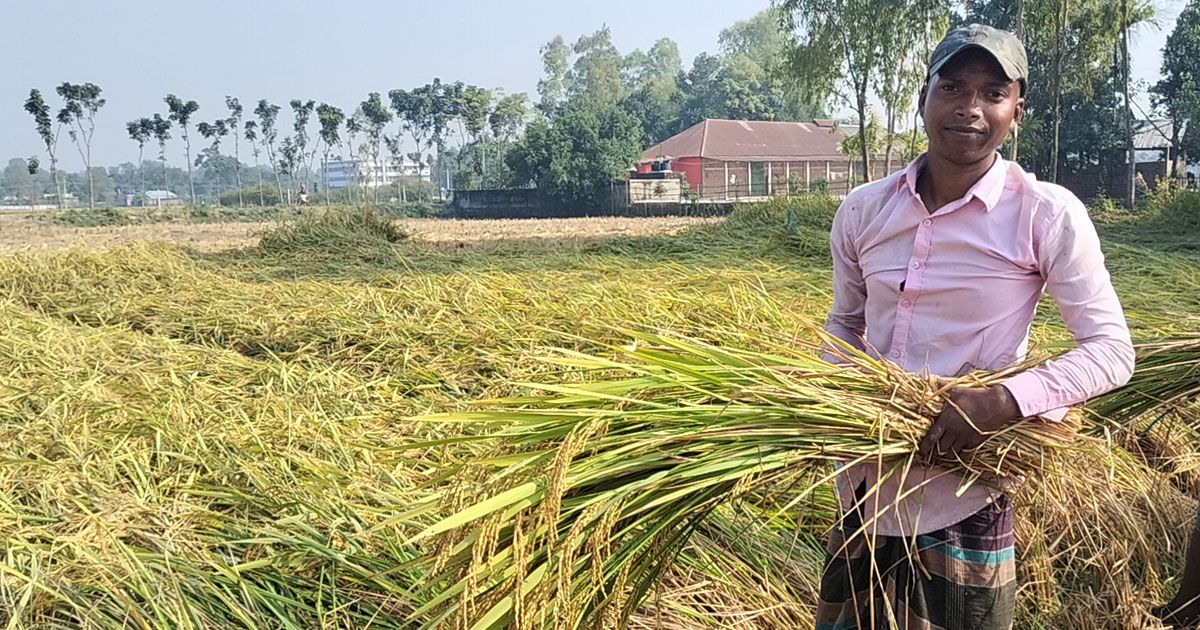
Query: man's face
[{"x": 969, "y": 107}]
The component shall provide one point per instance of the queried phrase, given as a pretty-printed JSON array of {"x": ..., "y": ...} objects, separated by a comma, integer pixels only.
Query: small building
[
  {"x": 341, "y": 173},
  {"x": 748, "y": 159},
  {"x": 161, "y": 198},
  {"x": 1154, "y": 149},
  {"x": 1155, "y": 156}
]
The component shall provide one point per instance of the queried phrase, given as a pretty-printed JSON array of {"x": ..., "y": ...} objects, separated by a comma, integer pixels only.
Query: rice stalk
[{"x": 672, "y": 442}]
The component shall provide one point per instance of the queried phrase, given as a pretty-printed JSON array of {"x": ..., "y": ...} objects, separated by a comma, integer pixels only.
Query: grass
[
  {"x": 225, "y": 440},
  {"x": 145, "y": 215}
]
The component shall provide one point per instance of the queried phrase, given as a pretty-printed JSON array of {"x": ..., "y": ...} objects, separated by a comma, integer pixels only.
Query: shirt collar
[{"x": 988, "y": 189}]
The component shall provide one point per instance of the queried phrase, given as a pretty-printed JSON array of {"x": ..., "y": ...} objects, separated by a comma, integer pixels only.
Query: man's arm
[
  {"x": 1073, "y": 266},
  {"x": 847, "y": 316},
  {"x": 1072, "y": 263}
]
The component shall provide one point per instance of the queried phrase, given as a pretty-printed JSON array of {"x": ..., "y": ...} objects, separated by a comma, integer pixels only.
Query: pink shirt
[{"x": 956, "y": 290}]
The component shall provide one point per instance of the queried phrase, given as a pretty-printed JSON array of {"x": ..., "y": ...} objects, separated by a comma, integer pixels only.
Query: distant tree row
[
  {"x": 596, "y": 109},
  {"x": 425, "y": 118}
]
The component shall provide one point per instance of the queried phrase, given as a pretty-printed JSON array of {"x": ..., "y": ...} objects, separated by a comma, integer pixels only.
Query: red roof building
[{"x": 738, "y": 159}]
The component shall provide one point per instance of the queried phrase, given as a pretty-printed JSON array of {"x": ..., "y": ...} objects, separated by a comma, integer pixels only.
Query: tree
[
  {"x": 377, "y": 117},
  {"x": 161, "y": 129},
  {"x": 699, "y": 91},
  {"x": 250, "y": 133},
  {"x": 596, "y": 74},
  {"x": 576, "y": 157},
  {"x": 552, "y": 90},
  {"x": 1131, "y": 156},
  {"x": 354, "y": 126},
  {"x": 180, "y": 113},
  {"x": 652, "y": 90},
  {"x": 414, "y": 110},
  {"x": 140, "y": 131},
  {"x": 1070, "y": 44},
  {"x": 1178, "y": 92},
  {"x": 17, "y": 180},
  {"x": 234, "y": 124},
  {"x": 426, "y": 113},
  {"x": 267, "y": 114},
  {"x": 852, "y": 146},
  {"x": 446, "y": 99},
  {"x": 750, "y": 79},
  {"x": 839, "y": 40},
  {"x": 330, "y": 119},
  {"x": 37, "y": 107},
  {"x": 906, "y": 40},
  {"x": 81, "y": 103},
  {"x": 302, "y": 112},
  {"x": 759, "y": 43},
  {"x": 473, "y": 107},
  {"x": 214, "y": 132},
  {"x": 94, "y": 180},
  {"x": 508, "y": 116},
  {"x": 290, "y": 159}
]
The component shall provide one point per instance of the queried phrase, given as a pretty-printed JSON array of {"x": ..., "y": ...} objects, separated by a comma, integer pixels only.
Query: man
[
  {"x": 939, "y": 269},
  {"x": 1184, "y": 610}
]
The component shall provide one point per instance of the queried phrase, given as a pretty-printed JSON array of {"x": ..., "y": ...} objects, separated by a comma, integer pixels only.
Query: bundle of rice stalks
[
  {"x": 739, "y": 571},
  {"x": 359, "y": 233},
  {"x": 1167, "y": 376},
  {"x": 599, "y": 484},
  {"x": 1093, "y": 537}
]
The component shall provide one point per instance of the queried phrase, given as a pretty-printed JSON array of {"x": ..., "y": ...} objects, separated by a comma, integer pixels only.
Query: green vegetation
[
  {"x": 252, "y": 213},
  {"x": 227, "y": 440}
]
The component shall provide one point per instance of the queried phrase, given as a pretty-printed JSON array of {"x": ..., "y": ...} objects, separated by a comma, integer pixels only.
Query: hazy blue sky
[{"x": 139, "y": 50}]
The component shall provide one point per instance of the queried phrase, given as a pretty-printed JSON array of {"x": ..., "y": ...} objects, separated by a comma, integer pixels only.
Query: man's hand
[{"x": 989, "y": 409}]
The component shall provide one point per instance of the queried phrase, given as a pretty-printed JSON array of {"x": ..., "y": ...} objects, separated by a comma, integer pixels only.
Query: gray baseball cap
[{"x": 1003, "y": 45}]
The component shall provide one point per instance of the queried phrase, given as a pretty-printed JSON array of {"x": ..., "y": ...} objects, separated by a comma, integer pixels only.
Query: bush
[{"x": 88, "y": 217}]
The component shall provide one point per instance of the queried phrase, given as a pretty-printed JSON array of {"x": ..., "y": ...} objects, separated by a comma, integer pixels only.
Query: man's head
[{"x": 974, "y": 93}]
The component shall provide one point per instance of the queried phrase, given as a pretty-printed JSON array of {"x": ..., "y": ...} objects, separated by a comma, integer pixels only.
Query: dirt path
[{"x": 20, "y": 233}]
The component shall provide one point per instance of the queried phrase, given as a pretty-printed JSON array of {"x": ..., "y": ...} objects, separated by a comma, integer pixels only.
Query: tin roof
[
  {"x": 752, "y": 140},
  {"x": 1153, "y": 134}
]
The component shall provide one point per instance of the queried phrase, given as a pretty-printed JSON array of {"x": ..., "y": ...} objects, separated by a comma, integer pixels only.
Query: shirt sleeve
[
  {"x": 847, "y": 317},
  {"x": 1072, "y": 264}
]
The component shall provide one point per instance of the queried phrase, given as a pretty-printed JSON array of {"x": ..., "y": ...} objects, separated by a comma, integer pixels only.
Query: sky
[{"x": 138, "y": 51}]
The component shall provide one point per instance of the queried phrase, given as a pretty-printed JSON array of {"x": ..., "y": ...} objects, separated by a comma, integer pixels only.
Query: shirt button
[
  {"x": 916, "y": 265},
  {"x": 905, "y": 303},
  {"x": 927, "y": 222},
  {"x": 895, "y": 354}
]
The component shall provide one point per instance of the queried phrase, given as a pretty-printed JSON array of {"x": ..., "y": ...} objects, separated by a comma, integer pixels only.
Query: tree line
[
  {"x": 597, "y": 108},
  {"x": 1080, "y": 107}
]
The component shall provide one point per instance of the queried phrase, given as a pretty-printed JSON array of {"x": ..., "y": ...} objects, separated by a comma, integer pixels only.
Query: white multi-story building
[{"x": 342, "y": 173}]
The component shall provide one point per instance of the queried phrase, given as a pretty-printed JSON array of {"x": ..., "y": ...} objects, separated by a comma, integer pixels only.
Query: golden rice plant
[{"x": 598, "y": 485}]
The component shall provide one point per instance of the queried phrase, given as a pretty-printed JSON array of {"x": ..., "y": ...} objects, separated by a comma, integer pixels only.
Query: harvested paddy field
[
  {"x": 21, "y": 232},
  {"x": 213, "y": 437}
]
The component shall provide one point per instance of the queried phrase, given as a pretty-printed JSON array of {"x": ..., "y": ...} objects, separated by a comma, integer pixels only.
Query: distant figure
[
  {"x": 1191, "y": 181},
  {"x": 303, "y": 195}
]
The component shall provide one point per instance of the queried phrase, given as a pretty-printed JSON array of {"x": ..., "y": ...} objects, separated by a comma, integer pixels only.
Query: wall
[
  {"x": 656, "y": 190},
  {"x": 530, "y": 204}
]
